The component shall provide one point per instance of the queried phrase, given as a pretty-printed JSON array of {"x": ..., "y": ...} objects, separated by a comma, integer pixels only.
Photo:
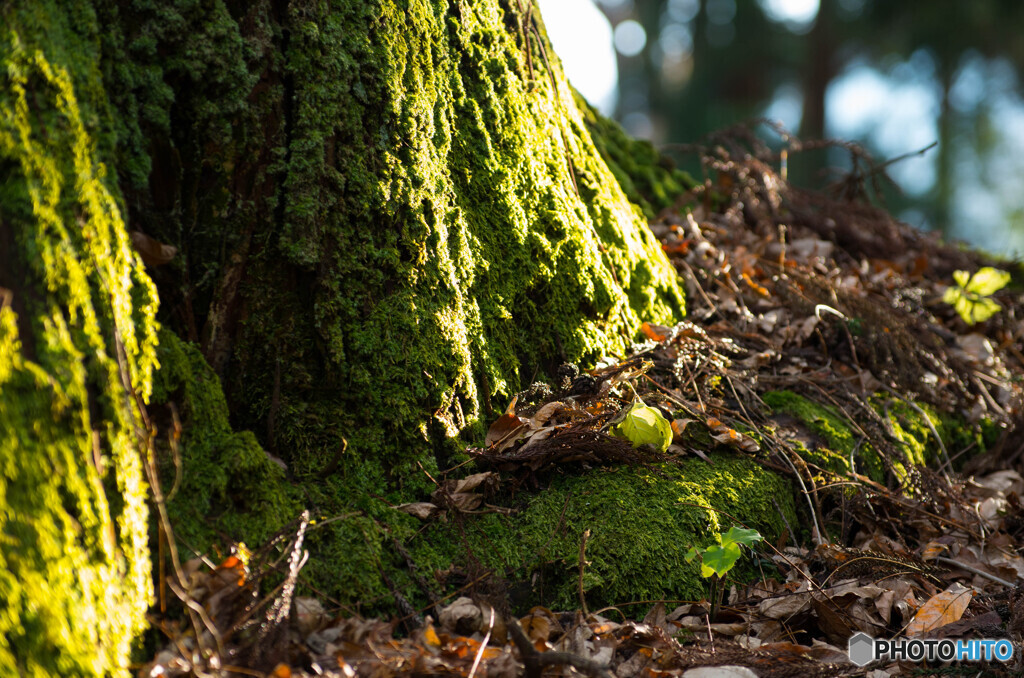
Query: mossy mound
[
  {"x": 77, "y": 337},
  {"x": 914, "y": 436},
  {"x": 642, "y": 522}
]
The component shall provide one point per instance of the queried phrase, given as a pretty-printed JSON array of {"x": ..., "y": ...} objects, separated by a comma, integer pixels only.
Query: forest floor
[{"x": 816, "y": 324}]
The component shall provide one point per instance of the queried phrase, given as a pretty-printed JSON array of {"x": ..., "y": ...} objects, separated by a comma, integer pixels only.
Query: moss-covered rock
[{"x": 77, "y": 336}]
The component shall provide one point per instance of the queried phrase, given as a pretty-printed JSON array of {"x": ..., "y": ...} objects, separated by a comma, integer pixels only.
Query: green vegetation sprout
[
  {"x": 717, "y": 560},
  {"x": 970, "y": 296}
]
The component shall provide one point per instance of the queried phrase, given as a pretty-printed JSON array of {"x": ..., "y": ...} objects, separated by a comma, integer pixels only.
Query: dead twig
[
  {"x": 583, "y": 565},
  {"x": 483, "y": 646},
  {"x": 973, "y": 570},
  {"x": 534, "y": 661}
]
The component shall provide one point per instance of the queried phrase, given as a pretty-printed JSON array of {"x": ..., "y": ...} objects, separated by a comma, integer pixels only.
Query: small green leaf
[
  {"x": 974, "y": 309},
  {"x": 645, "y": 425},
  {"x": 970, "y": 296},
  {"x": 739, "y": 535},
  {"x": 690, "y": 555},
  {"x": 986, "y": 281},
  {"x": 719, "y": 560}
]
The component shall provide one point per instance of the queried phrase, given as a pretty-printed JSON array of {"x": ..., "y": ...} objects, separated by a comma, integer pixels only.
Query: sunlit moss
[
  {"x": 78, "y": 325},
  {"x": 916, "y": 439}
]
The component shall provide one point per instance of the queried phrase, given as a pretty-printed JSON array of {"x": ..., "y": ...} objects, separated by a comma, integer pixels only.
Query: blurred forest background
[{"x": 895, "y": 76}]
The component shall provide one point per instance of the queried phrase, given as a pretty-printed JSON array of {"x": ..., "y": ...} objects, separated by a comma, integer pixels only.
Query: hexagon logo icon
[{"x": 861, "y": 649}]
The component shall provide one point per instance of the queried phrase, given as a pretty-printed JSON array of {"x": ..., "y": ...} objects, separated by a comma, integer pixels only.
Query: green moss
[
  {"x": 230, "y": 488},
  {"x": 648, "y": 178},
  {"x": 918, "y": 438},
  {"x": 76, "y": 323},
  {"x": 840, "y": 442},
  {"x": 917, "y": 443},
  {"x": 642, "y": 522}
]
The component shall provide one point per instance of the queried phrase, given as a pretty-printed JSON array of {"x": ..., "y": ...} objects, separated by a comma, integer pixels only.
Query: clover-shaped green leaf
[
  {"x": 970, "y": 296},
  {"x": 986, "y": 281}
]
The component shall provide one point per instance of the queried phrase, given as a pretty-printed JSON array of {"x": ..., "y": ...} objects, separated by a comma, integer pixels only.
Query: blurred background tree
[{"x": 894, "y": 76}]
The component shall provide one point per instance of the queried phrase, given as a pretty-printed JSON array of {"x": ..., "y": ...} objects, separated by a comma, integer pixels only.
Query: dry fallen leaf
[
  {"x": 730, "y": 436},
  {"x": 470, "y": 483},
  {"x": 463, "y": 616},
  {"x": 943, "y": 608},
  {"x": 546, "y": 412},
  {"x": 421, "y": 509},
  {"x": 538, "y": 625},
  {"x": 309, "y": 614},
  {"x": 655, "y": 332},
  {"x": 506, "y": 429}
]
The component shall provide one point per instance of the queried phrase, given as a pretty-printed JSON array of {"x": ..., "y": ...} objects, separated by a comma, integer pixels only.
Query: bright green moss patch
[
  {"x": 834, "y": 429},
  {"x": 914, "y": 437},
  {"x": 648, "y": 178},
  {"x": 76, "y": 322},
  {"x": 230, "y": 488},
  {"x": 642, "y": 522}
]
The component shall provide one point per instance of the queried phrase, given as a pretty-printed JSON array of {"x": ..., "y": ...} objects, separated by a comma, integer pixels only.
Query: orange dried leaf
[
  {"x": 941, "y": 609},
  {"x": 763, "y": 291},
  {"x": 678, "y": 247},
  {"x": 654, "y": 332},
  {"x": 679, "y": 425},
  {"x": 932, "y": 550},
  {"x": 730, "y": 436},
  {"x": 430, "y": 636},
  {"x": 537, "y": 628},
  {"x": 232, "y": 570}
]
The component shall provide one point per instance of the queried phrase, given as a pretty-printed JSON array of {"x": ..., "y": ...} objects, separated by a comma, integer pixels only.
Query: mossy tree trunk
[
  {"x": 77, "y": 347},
  {"x": 390, "y": 216}
]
